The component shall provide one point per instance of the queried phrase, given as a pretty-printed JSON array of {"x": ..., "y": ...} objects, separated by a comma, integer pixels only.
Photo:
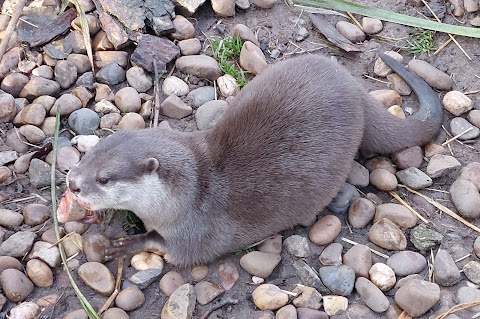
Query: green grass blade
[{"x": 386, "y": 15}]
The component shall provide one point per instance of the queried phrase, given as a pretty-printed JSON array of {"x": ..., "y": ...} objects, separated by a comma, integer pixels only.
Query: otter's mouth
[{"x": 71, "y": 208}]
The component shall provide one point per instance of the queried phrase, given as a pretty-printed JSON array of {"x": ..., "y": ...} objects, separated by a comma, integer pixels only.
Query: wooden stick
[
  {"x": 17, "y": 12},
  {"x": 457, "y": 136}
]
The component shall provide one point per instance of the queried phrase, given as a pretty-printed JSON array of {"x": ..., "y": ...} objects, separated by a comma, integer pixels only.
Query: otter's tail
[{"x": 386, "y": 133}]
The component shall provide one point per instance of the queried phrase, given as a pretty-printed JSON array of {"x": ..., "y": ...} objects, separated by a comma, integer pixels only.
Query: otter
[{"x": 276, "y": 158}]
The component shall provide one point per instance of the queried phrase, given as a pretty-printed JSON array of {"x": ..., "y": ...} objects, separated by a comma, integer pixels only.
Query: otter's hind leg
[{"x": 151, "y": 241}]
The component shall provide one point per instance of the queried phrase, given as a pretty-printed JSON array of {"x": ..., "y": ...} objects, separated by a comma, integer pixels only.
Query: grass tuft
[
  {"x": 227, "y": 51},
  {"x": 422, "y": 41}
]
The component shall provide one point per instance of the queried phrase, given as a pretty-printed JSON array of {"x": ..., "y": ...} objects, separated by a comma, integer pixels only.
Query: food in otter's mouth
[{"x": 69, "y": 209}]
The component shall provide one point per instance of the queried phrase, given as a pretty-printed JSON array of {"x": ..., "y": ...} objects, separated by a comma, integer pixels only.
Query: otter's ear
[{"x": 151, "y": 164}]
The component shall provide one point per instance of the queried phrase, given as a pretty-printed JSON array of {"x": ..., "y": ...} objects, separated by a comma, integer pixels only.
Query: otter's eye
[{"x": 102, "y": 180}]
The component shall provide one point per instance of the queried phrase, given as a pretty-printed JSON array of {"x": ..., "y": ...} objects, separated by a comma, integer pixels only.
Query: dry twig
[
  {"x": 17, "y": 12},
  {"x": 395, "y": 195}
]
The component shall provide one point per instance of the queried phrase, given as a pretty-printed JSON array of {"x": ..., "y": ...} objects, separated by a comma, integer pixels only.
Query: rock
[
  {"x": 300, "y": 33},
  {"x": 128, "y": 100},
  {"x": 424, "y": 238},
  {"x": 201, "y": 66},
  {"x": 144, "y": 278},
  {"x": 10, "y": 60},
  {"x": 380, "y": 162},
  {"x": 459, "y": 125},
  {"x": 409, "y": 157},
  {"x": 339, "y": 279},
  {"x": 441, "y": 165},
  {"x": 67, "y": 157},
  {"x": 259, "y": 264},
  {"x": 387, "y": 98},
  {"x": 381, "y": 69},
  {"x": 361, "y": 213},
  {"x": 252, "y": 58},
  {"x": 206, "y": 292},
  {"x": 399, "y": 85},
  {"x": 382, "y": 276},
  {"x": 145, "y": 260},
  {"x": 111, "y": 74},
  {"x": 417, "y": 296},
  {"x": 67, "y": 103},
  {"x": 87, "y": 80},
  {"x": 77, "y": 314},
  {"x": 98, "y": 277},
  {"x": 81, "y": 61},
  {"x": 359, "y": 175},
  {"x": 106, "y": 107},
  {"x": 224, "y": 8},
  {"x": 138, "y": 79},
  {"x": 170, "y": 282},
  {"x": 334, "y": 305},
  {"x": 201, "y": 96},
  {"x": 9, "y": 218},
  {"x": 130, "y": 298},
  {"x": 82, "y": 94},
  {"x": 7, "y": 108},
  {"x": 466, "y": 198},
  {"x": 152, "y": 48},
  {"x": 414, "y": 178},
  {"x": 384, "y": 233},
  {"x": 103, "y": 58},
  {"x": 43, "y": 71},
  {"x": 101, "y": 42},
  {"x": 110, "y": 120},
  {"x": 7, "y": 262},
  {"x": 180, "y": 304},
  {"x": 84, "y": 121},
  {"x": 228, "y": 274},
  {"x": 45, "y": 252},
  {"x": 272, "y": 245},
  {"x": 35, "y": 214},
  {"x": 286, "y": 312},
  {"x": 471, "y": 5},
  {"x": 444, "y": 268},
  {"x": 242, "y": 4},
  {"x": 174, "y": 86},
  {"x": 65, "y": 73},
  {"x": 325, "y": 230},
  {"x": 347, "y": 195},
  {"x": 39, "y": 173},
  {"x": 476, "y": 246},
  {"x": 208, "y": 114},
  {"x": 474, "y": 117},
  {"x": 307, "y": 297},
  {"x": 371, "y": 25},
  {"x": 297, "y": 246},
  {"x": 332, "y": 255},
  {"x": 471, "y": 172},
  {"x": 190, "y": 46},
  {"x": 174, "y": 107},
  {"x": 77, "y": 227},
  {"x": 472, "y": 271},
  {"x": 227, "y": 85},
  {"x": 406, "y": 263},
  {"x": 265, "y": 4},
  {"x": 33, "y": 114},
  {"x": 397, "y": 213},
  {"x": 94, "y": 246},
  {"x": 433, "y": 76},
  {"x": 184, "y": 29},
  {"x": 8, "y": 157},
  {"x": 245, "y": 33},
  {"x": 359, "y": 258},
  {"x": 269, "y": 297},
  {"x": 309, "y": 277},
  {"x": 25, "y": 310},
  {"x": 457, "y": 103},
  {"x": 38, "y": 86},
  {"x": 305, "y": 313},
  {"x": 16, "y": 286},
  {"x": 350, "y": 31},
  {"x": 14, "y": 83},
  {"x": 371, "y": 295},
  {"x": 467, "y": 295},
  {"x": 39, "y": 273},
  {"x": 17, "y": 245},
  {"x": 115, "y": 313},
  {"x": 383, "y": 179}
]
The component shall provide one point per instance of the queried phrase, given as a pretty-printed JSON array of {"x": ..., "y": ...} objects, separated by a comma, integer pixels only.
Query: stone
[
  {"x": 110, "y": 120},
  {"x": 175, "y": 108},
  {"x": 94, "y": 245},
  {"x": 383, "y": 179},
  {"x": 424, "y": 238},
  {"x": 10, "y": 60},
  {"x": 224, "y": 8},
  {"x": 33, "y": 114},
  {"x": 265, "y": 4},
  {"x": 130, "y": 298},
  {"x": 307, "y": 297},
  {"x": 150, "y": 48},
  {"x": 472, "y": 271},
  {"x": 361, "y": 213},
  {"x": 16, "y": 286},
  {"x": 309, "y": 276},
  {"x": 384, "y": 233},
  {"x": 332, "y": 255},
  {"x": 350, "y": 31},
  {"x": 144, "y": 278},
  {"x": 339, "y": 279},
  {"x": 207, "y": 292},
  {"x": 200, "y": 96},
  {"x": 380, "y": 162},
  {"x": 7, "y": 157},
  {"x": 228, "y": 274},
  {"x": 180, "y": 304},
  {"x": 35, "y": 214},
  {"x": 416, "y": 297},
  {"x": 227, "y": 85},
  {"x": 358, "y": 176},
  {"x": 25, "y": 310},
  {"x": 46, "y": 101},
  {"x": 409, "y": 157},
  {"x": 441, "y": 165},
  {"x": 82, "y": 94},
  {"x": 209, "y": 113},
  {"x": 146, "y": 260},
  {"x": 43, "y": 71},
  {"x": 184, "y": 29},
  {"x": 397, "y": 213},
  {"x": 259, "y": 264},
  {"x": 399, "y": 85},
  {"x": 103, "y": 58},
  {"x": 14, "y": 83},
  {"x": 98, "y": 277},
  {"x": 115, "y": 313},
  {"x": 474, "y": 117},
  {"x": 334, "y": 305},
  {"x": 5, "y": 174},
  {"x": 371, "y": 295},
  {"x": 39, "y": 273},
  {"x": 286, "y": 312},
  {"x": 305, "y": 313},
  {"x": 269, "y": 297},
  {"x": 101, "y": 42},
  {"x": 174, "y": 86},
  {"x": 325, "y": 230},
  {"x": 272, "y": 245},
  {"x": 457, "y": 103},
  {"x": 252, "y": 58},
  {"x": 65, "y": 73},
  {"x": 381, "y": 69},
  {"x": 467, "y": 295},
  {"x": 471, "y": 172},
  {"x": 371, "y": 25},
  {"x": 87, "y": 80},
  {"x": 445, "y": 270},
  {"x": 297, "y": 246},
  {"x": 170, "y": 282},
  {"x": 414, "y": 178},
  {"x": 344, "y": 198},
  {"x": 67, "y": 103},
  {"x": 201, "y": 66},
  {"x": 359, "y": 258},
  {"x": 459, "y": 125},
  {"x": 45, "y": 252},
  {"x": 7, "y": 108},
  {"x": 84, "y": 121},
  {"x": 190, "y": 46},
  {"x": 406, "y": 263},
  {"x": 81, "y": 61},
  {"x": 466, "y": 198},
  {"x": 433, "y": 76},
  {"x": 9, "y": 218},
  {"x": 382, "y": 276},
  {"x": 111, "y": 74},
  {"x": 244, "y": 33},
  {"x": 387, "y": 98},
  {"x": 138, "y": 79},
  {"x": 17, "y": 245},
  {"x": 128, "y": 100},
  {"x": 38, "y": 86}
]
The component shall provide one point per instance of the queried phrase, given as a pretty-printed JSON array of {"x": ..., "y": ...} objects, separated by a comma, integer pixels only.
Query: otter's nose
[{"x": 73, "y": 186}]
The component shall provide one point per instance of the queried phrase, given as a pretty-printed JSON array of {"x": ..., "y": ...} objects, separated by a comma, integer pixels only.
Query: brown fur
[{"x": 275, "y": 159}]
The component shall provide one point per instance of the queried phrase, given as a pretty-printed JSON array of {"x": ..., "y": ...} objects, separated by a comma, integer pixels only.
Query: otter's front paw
[{"x": 119, "y": 247}]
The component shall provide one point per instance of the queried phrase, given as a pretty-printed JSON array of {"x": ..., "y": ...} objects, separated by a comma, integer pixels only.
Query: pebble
[
  {"x": 259, "y": 264},
  {"x": 181, "y": 303},
  {"x": 7, "y": 108},
  {"x": 33, "y": 114},
  {"x": 371, "y": 25},
  {"x": 98, "y": 277},
  {"x": 84, "y": 121},
  {"x": 200, "y": 96},
  {"x": 77, "y": 227},
  {"x": 252, "y": 58},
  {"x": 26, "y": 66},
  {"x": 471, "y": 172},
  {"x": 350, "y": 31},
  {"x": 416, "y": 297},
  {"x": 175, "y": 108},
  {"x": 170, "y": 282},
  {"x": 5, "y": 174},
  {"x": 83, "y": 94},
  {"x": 387, "y": 98},
  {"x": 381, "y": 69},
  {"x": 34, "y": 214},
  {"x": 77, "y": 314},
  {"x": 471, "y": 5},
  {"x": 65, "y": 73},
  {"x": 227, "y": 85},
  {"x": 358, "y": 176},
  {"x": 339, "y": 279},
  {"x": 433, "y": 76},
  {"x": 172, "y": 85},
  {"x": 94, "y": 245},
  {"x": 334, "y": 305},
  {"x": 397, "y": 213},
  {"x": 382, "y": 276},
  {"x": 224, "y": 8},
  {"x": 344, "y": 198},
  {"x": 10, "y": 60},
  {"x": 144, "y": 278},
  {"x": 190, "y": 46},
  {"x": 325, "y": 230},
  {"x": 228, "y": 274},
  {"x": 128, "y": 100},
  {"x": 110, "y": 120},
  {"x": 409, "y": 157},
  {"x": 15, "y": 285},
  {"x": 442, "y": 165},
  {"x": 184, "y": 29},
  {"x": 17, "y": 245},
  {"x": 297, "y": 246},
  {"x": 383, "y": 179},
  {"x": 111, "y": 74},
  {"x": 138, "y": 79},
  {"x": 361, "y": 213},
  {"x": 414, "y": 178},
  {"x": 81, "y": 61},
  {"x": 25, "y": 310},
  {"x": 265, "y": 4},
  {"x": 8, "y": 157},
  {"x": 38, "y": 86},
  {"x": 85, "y": 142},
  {"x": 286, "y": 312},
  {"x": 48, "y": 126},
  {"x": 332, "y": 255},
  {"x": 399, "y": 85},
  {"x": 7, "y": 262},
  {"x": 459, "y": 125},
  {"x": 472, "y": 271},
  {"x": 39, "y": 273},
  {"x": 445, "y": 270},
  {"x": 397, "y": 111},
  {"x": 371, "y": 295},
  {"x": 105, "y": 107},
  {"x": 359, "y": 258},
  {"x": 201, "y": 66},
  {"x": 45, "y": 100},
  {"x": 146, "y": 260},
  {"x": 43, "y": 71},
  {"x": 9, "y": 218},
  {"x": 87, "y": 80},
  {"x": 466, "y": 198},
  {"x": 104, "y": 58},
  {"x": 305, "y": 313},
  {"x": 244, "y": 33},
  {"x": 45, "y": 252},
  {"x": 242, "y": 4},
  {"x": 208, "y": 114},
  {"x": 474, "y": 117},
  {"x": 207, "y": 292},
  {"x": 384, "y": 233},
  {"x": 457, "y": 103},
  {"x": 424, "y": 238},
  {"x": 380, "y": 162},
  {"x": 406, "y": 263},
  {"x": 271, "y": 245},
  {"x": 269, "y": 297},
  {"x": 300, "y": 33},
  {"x": 14, "y": 83},
  {"x": 68, "y": 103},
  {"x": 115, "y": 313},
  {"x": 469, "y": 294},
  {"x": 130, "y": 298},
  {"x": 307, "y": 297}
]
